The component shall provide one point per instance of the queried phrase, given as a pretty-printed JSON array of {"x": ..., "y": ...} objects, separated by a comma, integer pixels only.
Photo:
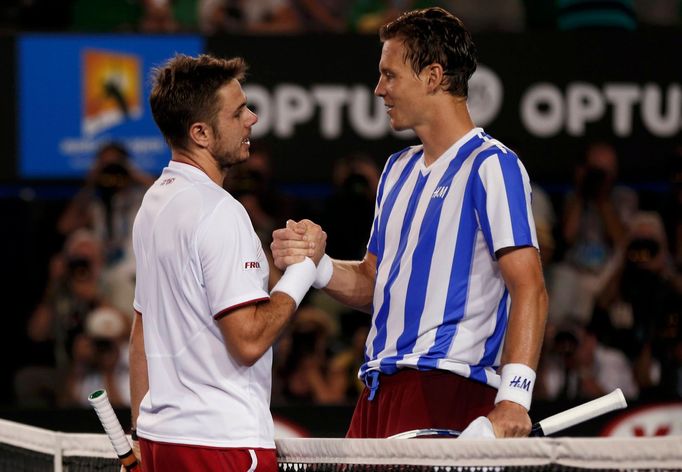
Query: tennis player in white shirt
[{"x": 205, "y": 318}]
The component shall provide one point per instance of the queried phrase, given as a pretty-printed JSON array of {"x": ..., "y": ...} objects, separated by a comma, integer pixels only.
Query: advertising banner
[
  {"x": 78, "y": 92},
  {"x": 547, "y": 95}
]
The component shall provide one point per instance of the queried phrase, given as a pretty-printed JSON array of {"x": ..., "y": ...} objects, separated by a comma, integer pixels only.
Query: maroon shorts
[
  {"x": 411, "y": 399},
  {"x": 165, "y": 457}
]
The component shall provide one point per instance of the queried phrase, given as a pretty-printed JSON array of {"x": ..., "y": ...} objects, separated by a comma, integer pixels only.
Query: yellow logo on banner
[{"x": 112, "y": 89}]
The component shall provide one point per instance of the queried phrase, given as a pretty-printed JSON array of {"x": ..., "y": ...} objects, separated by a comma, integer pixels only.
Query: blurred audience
[
  {"x": 301, "y": 360},
  {"x": 577, "y": 366},
  {"x": 100, "y": 360},
  {"x": 107, "y": 205},
  {"x": 593, "y": 229},
  {"x": 639, "y": 310},
  {"x": 57, "y": 327},
  {"x": 108, "y": 202},
  {"x": 355, "y": 179}
]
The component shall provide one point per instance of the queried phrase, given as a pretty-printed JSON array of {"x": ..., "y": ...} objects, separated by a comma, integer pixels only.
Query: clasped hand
[{"x": 297, "y": 241}]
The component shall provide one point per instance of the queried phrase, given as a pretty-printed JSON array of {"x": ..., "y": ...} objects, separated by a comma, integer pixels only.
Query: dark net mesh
[{"x": 17, "y": 459}]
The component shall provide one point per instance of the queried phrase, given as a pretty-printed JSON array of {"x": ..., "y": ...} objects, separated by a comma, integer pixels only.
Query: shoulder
[{"x": 402, "y": 157}]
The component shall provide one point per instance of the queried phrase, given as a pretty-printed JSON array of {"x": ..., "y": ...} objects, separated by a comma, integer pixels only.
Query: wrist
[
  {"x": 325, "y": 270},
  {"x": 296, "y": 280},
  {"x": 516, "y": 385}
]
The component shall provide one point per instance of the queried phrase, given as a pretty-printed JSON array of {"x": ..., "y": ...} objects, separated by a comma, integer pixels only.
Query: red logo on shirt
[{"x": 252, "y": 265}]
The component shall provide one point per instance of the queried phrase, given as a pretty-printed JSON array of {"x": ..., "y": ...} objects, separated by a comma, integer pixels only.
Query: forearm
[
  {"x": 352, "y": 284},
  {"x": 268, "y": 321},
  {"x": 139, "y": 380},
  {"x": 526, "y": 326}
]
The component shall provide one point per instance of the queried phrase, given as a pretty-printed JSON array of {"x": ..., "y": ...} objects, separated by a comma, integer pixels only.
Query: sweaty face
[
  {"x": 232, "y": 126},
  {"x": 402, "y": 90}
]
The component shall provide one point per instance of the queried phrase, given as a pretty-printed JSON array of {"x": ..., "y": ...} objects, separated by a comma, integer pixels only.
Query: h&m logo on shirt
[
  {"x": 520, "y": 382},
  {"x": 252, "y": 265},
  {"x": 440, "y": 191}
]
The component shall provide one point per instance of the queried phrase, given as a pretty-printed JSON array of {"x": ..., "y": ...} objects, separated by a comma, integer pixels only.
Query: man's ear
[
  {"x": 200, "y": 133},
  {"x": 433, "y": 74}
]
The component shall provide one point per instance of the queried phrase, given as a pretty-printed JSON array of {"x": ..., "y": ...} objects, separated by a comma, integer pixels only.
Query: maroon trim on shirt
[{"x": 227, "y": 310}]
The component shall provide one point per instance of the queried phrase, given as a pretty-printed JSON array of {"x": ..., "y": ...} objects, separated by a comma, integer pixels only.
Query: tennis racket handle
[
  {"x": 100, "y": 402},
  {"x": 597, "y": 407}
]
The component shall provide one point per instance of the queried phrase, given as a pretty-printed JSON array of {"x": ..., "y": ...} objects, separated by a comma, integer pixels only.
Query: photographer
[
  {"x": 639, "y": 309},
  {"x": 108, "y": 202},
  {"x": 595, "y": 213}
]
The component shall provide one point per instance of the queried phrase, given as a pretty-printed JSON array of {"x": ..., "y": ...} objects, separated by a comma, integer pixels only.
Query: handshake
[
  {"x": 297, "y": 241},
  {"x": 298, "y": 250}
]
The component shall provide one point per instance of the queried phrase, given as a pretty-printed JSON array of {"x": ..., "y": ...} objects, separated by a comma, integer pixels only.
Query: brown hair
[
  {"x": 184, "y": 91},
  {"x": 433, "y": 35}
]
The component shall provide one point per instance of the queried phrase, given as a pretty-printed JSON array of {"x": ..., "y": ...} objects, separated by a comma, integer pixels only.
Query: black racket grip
[{"x": 536, "y": 431}]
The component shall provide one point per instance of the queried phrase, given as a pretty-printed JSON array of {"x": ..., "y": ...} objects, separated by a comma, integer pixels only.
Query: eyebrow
[{"x": 241, "y": 106}]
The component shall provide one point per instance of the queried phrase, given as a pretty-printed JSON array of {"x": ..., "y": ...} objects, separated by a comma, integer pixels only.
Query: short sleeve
[
  {"x": 234, "y": 267},
  {"x": 502, "y": 195}
]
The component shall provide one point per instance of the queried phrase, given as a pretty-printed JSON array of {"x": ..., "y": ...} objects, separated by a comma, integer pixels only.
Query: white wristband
[
  {"x": 296, "y": 280},
  {"x": 516, "y": 385},
  {"x": 325, "y": 269}
]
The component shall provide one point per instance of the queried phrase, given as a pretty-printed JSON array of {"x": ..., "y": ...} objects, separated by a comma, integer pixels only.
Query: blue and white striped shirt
[{"x": 440, "y": 301}]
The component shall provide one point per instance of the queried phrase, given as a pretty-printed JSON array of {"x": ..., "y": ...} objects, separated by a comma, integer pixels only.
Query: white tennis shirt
[
  {"x": 197, "y": 255},
  {"x": 440, "y": 301}
]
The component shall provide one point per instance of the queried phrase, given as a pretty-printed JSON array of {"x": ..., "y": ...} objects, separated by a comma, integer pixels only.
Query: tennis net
[{"x": 27, "y": 448}]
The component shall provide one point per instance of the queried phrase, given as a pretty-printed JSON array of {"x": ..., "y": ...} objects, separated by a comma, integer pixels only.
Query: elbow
[{"x": 247, "y": 354}]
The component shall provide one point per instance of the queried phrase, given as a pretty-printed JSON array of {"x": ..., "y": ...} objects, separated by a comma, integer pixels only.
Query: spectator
[
  {"x": 366, "y": 16},
  {"x": 303, "y": 355},
  {"x": 108, "y": 202},
  {"x": 579, "y": 367},
  {"x": 100, "y": 359},
  {"x": 74, "y": 289},
  {"x": 355, "y": 179},
  {"x": 641, "y": 305},
  {"x": 594, "y": 229},
  {"x": 243, "y": 16}
]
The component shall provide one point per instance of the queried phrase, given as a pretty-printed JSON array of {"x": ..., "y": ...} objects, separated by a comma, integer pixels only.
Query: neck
[
  {"x": 202, "y": 161},
  {"x": 445, "y": 125}
]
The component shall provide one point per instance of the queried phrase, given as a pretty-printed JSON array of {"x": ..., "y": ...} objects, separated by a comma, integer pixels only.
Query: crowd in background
[
  {"x": 612, "y": 263},
  {"x": 612, "y": 257},
  {"x": 338, "y": 16}
]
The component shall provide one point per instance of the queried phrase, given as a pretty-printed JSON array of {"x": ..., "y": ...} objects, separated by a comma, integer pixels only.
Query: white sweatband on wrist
[
  {"x": 325, "y": 270},
  {"x": 516, "y": 385},
  {"x": 296, "y": 280}
]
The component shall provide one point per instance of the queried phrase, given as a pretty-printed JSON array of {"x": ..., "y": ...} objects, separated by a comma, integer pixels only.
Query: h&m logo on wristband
[{"x": 520, "y": 382}]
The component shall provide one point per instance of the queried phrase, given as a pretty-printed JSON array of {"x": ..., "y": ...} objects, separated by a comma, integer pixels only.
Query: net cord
[{"x": 635, "y": 453}]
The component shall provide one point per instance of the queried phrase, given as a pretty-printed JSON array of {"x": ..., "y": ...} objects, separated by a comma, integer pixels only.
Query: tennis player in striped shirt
[{"x": 452, "y": 274}]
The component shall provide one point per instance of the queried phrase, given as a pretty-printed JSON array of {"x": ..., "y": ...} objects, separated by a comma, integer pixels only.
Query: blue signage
[{"x": 78, "y": 92}]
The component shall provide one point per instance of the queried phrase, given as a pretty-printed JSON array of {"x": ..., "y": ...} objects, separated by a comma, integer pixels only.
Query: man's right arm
[
  {"x": 139, "y": 382},
  {"x": 350, "y": 282},
  {"x": 249, "y": 331}
]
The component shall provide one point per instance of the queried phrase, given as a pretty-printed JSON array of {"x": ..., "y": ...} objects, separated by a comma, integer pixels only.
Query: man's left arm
[{"x": 522, "y": 274}]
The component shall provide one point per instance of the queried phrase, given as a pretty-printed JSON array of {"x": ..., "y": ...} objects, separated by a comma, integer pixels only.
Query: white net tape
[
  {"x": 630, "y": 453},
  {"x": 662, "y": 453}
]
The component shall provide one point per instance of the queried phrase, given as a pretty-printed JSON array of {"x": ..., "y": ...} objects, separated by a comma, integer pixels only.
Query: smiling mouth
[{"x": 246, "y": 141}]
